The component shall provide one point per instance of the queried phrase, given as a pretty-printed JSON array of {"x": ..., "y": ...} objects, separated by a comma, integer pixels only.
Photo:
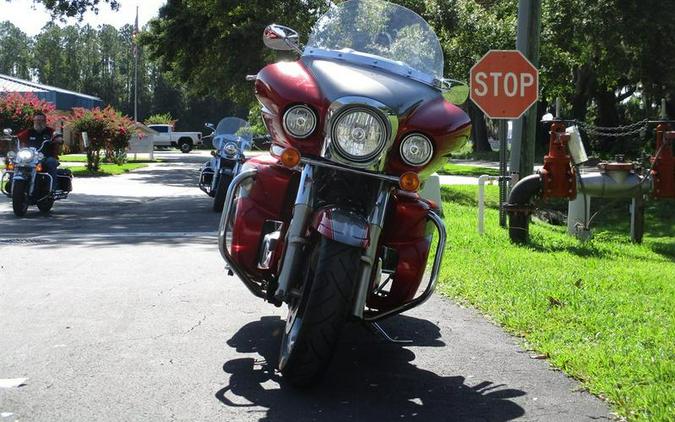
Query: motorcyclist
[{"x": 35, "y": 136}]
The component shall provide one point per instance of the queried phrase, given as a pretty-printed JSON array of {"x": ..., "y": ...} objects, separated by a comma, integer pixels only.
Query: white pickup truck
[{"x": 166, "y": 137}]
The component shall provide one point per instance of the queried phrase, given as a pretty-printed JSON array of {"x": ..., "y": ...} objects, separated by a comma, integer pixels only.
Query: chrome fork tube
[
  {"x": 296, "y": 229},
  {"x": 32, "y": 180},
  {"x": 376, "y": 222}
]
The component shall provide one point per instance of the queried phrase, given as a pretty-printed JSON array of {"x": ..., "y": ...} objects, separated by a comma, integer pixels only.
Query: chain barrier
[{"x": 638, "y": 128}]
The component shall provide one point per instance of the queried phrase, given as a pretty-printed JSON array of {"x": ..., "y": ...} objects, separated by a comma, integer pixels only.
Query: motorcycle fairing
[
  {"x": 282, "y": 85},
  {"x": 406, "y": 232},
  {"x": 319, "y": 82},
  {"x": 266, "y": 199}
]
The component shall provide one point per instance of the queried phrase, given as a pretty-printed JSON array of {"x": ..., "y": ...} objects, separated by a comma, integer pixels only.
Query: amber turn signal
[
  {"x": 9, "y": 166},
  {"x": 290, "y": 157},
  {"x": 39, "y": 168},
  {"x": 409, "y": 181}
]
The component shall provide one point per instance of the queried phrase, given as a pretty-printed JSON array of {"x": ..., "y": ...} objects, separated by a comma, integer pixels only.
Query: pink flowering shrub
[
  {"x": 17, "y": 110},
  {"x": 107, "y": 130}
]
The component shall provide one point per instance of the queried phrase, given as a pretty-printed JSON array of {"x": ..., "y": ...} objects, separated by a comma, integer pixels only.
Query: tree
[
  {"x": 72, "y": 8},
  {"x": 213, "y": 60},
  {"x": 597, "y": 55},
  {"x": 15, "y": 51},
  {"x": 478, "y": 28}
]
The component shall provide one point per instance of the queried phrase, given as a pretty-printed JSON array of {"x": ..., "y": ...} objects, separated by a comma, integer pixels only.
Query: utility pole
[
  {"x": 135, "y": 42},
  {"x": 525, "y": 128}
]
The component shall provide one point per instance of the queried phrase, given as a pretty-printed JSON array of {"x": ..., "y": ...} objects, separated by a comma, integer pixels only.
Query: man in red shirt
[{"x": 36, "y": 136}]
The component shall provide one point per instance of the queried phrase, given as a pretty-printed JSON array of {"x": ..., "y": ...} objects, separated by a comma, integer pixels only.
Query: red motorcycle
[{"x": 331, "y": 222}]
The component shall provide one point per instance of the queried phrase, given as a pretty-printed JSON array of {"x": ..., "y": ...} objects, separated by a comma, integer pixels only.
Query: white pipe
[{"x": 481, "y": 200}]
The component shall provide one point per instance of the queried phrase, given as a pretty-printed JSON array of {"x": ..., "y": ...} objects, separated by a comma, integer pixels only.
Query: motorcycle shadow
[{"x": 369, "y": 379}]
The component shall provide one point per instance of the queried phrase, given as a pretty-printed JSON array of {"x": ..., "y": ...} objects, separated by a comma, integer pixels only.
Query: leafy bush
[
  {"x": 17, "y": 110},
  {"x": 107, "y": 130},
  {"x": 160, "y": 119},
  {"x": 255, "y": 119}
]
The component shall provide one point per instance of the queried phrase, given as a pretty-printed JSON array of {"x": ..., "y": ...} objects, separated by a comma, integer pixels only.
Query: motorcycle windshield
[
  {"x": 379, "y": 34},
  {"x": 232, "y": 129}
]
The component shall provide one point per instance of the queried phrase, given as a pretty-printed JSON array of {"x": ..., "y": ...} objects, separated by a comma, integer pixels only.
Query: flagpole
[{"x": 135, "y": 68}]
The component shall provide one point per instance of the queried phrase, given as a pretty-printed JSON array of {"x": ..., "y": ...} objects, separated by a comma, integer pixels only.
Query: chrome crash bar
[
  {"x": 7, "y": 173},
  {"x": 223, "y": 232},
  {"x": 433, "y": 279}
]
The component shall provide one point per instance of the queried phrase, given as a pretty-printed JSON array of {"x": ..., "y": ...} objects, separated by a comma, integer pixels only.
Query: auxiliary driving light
[
  {"x": 290, "y": 157},
  {"x": 409, "y": 181}
]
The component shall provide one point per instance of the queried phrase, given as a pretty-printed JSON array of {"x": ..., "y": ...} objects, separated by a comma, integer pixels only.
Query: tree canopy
[
  {"x": 70, "y": 8},
  {"x": 607, "y": 60}
]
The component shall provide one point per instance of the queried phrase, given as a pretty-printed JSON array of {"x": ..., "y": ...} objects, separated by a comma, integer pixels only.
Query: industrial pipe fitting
[
  {"x": 558, "y": 176},
  {"x": 663, "y": 163}
]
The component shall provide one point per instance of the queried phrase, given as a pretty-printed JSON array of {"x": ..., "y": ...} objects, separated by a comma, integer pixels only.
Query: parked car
[{"x": 167, "y": 137}]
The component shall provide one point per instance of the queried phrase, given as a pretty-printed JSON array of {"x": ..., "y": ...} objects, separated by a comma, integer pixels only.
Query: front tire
[
  {"x": 319, "y": 312},
  {"x": 221, "y": 193},
  {"x": 19, "y": 198}
]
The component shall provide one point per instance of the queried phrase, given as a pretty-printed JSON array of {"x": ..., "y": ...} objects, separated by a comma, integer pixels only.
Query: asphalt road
[{"x": 116, "y": 307}]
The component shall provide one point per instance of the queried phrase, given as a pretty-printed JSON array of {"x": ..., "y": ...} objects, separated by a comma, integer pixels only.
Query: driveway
[{"x": 117, "y": 308}]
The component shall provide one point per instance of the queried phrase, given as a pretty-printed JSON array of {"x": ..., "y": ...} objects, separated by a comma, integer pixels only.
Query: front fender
[{"x": 342, "y": 226}]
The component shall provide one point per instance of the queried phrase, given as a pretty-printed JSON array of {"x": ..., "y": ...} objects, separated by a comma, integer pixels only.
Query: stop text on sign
[
  {"x": 504, "y": 84},
  {"x": 510, "y": 84}
]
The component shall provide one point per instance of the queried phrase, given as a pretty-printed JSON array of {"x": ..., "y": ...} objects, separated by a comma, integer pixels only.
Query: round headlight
[
  {"x": 416, "y": 150},
  {"x": 300, "y": 121},
  {"x": 359, "y": 134},
  {"x": 25, "y": 155},
  {"x": 230, "y": 148}
]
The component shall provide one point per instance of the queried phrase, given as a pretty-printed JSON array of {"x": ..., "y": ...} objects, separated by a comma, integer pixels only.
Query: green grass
[
  {"x": 106, "y": 170},
  {"x": 73, "y": 158},
  {"x": 602, "y": 311},
  {"x": 464, "y": 170}
]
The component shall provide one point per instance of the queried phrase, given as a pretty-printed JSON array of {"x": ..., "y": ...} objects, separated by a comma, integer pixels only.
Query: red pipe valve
[
  {"x": 558, "y": 176},
  {"x": 663, "y": 164}
]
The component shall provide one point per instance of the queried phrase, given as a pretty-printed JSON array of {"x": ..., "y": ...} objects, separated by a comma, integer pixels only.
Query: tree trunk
[
  {"x": 479, "y": 133},
  {"x": 583, "y": 84},
  {"x": 608, "y": 116}
]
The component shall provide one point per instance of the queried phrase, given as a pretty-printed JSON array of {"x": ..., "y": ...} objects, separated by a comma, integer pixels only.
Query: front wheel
[
  {"x": 318, "y": 312},
  {"x": 221, "y": 192},
  {"x": 19, "y": 198}
]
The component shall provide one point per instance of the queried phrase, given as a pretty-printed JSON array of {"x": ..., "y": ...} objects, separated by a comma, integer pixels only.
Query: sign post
[{"x": 504, "y": 85}]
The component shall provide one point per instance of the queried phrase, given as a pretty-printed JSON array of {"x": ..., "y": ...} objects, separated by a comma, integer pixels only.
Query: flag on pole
[{"x": 135, "y": 34}]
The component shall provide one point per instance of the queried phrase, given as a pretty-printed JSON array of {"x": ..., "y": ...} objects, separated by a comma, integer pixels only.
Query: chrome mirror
[
  {"x": 7, "y": 132},
  {"x": 282, "y": 38}
]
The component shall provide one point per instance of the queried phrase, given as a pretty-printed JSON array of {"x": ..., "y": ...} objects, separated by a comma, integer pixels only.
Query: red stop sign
[{"x": 504, "y": 84}]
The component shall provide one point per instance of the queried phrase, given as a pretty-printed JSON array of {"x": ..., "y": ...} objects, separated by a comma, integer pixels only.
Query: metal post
[
  {"x": 136, "y": 86},
  {"x": 637, "y": 219},
  {"x": 664, "y": 114},
  {"x": 503, "y": 185},
  {"x": 135, "y": 42},
  {"x": 524, "y": 129}
]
